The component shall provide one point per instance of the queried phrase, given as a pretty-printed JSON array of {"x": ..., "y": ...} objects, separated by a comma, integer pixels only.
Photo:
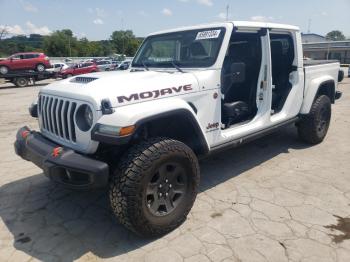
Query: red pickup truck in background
[
  {"x": 25, "y": 61},
  {"x": 79, "y": 69}
]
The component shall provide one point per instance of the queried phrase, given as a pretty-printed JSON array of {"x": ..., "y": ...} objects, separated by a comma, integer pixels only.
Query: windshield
[{"x": 194, "y": 48}]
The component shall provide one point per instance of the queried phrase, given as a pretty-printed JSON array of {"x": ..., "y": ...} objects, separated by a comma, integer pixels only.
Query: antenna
[
  {"x": 309, "y": 26},
  {"x": 227, "y": 8}
]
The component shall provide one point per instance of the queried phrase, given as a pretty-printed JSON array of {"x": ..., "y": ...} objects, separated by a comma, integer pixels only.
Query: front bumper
[{"x": 62, "y": 165}]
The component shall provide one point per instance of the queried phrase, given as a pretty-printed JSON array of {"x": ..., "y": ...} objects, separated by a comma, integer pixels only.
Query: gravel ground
[{"x": 275, "y": 199}]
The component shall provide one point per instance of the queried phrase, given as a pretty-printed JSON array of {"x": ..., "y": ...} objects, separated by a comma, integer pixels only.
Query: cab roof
[{"x": 246, "y": 24}]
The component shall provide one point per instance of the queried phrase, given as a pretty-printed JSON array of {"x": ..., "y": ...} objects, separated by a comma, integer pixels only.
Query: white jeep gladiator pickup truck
[{"x": 189, "y": 92}]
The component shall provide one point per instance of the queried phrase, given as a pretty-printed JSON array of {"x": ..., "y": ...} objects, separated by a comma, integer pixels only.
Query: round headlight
[{"x": 84, "y": 117}]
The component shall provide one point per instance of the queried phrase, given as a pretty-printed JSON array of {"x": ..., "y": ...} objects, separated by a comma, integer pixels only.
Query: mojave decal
[{"x": 154, "y": 94}]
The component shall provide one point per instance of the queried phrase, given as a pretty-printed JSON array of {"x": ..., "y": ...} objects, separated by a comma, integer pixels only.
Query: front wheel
[
  {"x": 313, "y": 127},
  {"x": 40, "y": 68},
  {"x": 154, "y": 187}
]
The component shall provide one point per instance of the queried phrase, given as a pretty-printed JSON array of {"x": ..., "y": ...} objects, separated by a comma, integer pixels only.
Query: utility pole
[
  {"x": 70, "y": 50},
  {"x": 123, "y": 35},
  {"x": 309, "y": 26},
  {"x": 227, "y": 8}
]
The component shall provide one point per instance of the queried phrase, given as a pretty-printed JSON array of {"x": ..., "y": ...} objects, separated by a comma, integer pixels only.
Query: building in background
[{"x": 320, "y": 48}]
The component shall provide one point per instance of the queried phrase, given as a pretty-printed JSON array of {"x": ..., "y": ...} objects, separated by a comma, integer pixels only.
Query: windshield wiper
[
  {"x": 144, "y": 65},
  {"x": 176, "y": 66}
]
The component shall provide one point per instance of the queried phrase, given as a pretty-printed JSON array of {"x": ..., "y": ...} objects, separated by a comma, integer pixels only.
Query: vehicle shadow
[{"x": 49, "y": 222}]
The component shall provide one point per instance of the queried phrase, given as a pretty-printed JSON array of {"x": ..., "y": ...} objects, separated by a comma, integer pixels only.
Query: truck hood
[{"x": 123, "y": 87}]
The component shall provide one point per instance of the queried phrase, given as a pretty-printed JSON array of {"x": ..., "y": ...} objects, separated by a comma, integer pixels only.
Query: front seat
[
  {"x": 234, "y": 108},
  {"x": 235, "y": 112}
]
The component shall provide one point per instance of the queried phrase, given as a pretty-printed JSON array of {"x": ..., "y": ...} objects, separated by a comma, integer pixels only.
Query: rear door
[
  {"x": 287, "y": 74},
  {"x": 80, "y": 69},
  {"x": 17, "y": 62}
]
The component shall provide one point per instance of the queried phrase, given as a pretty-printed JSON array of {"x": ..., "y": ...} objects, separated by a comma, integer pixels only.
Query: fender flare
[
  {"x": 314, "y": 89},
  {"x": 141, "y": 114},
  {"x": 184, "y": 114}
]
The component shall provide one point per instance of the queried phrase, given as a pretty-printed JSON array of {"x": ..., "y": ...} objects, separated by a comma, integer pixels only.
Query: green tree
[
  {"x": 125, "y": 42},
  {"x": 61, "y": 43},
  {"x": 335, "y": 35}
]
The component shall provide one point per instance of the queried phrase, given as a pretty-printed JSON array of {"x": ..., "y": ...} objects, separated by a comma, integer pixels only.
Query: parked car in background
[
  {"x": 124, "y": 65},
  {"x": 57, "y": 67},
  {"x": 68, "y": 60},
  {"x": 115, "y": 63},
  {"x": 25, "y": 61},
  {"x": 349, "y": 71},
  {"x": 78, "y": 69},
  {"x": 105, "y": 65}
]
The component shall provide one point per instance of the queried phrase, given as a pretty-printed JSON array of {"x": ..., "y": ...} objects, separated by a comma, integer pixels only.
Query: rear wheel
[
  {"x": 4, "y": 70},
  {"x": 314, "y": 127},
  {"x": 154, "y": 187},
  {"x": 69, "y": 75},
  {"x": 40, "y": 68},
  {"x": 21, "y": 82}
]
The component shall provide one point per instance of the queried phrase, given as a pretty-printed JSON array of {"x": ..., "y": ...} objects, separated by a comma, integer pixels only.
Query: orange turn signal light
[{"x": 124, "y": 131}]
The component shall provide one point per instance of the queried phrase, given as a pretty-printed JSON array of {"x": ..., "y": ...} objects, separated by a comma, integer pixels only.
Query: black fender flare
[
  {"x": 327, "y": 88},
  {"x": 202, "y": 147}
]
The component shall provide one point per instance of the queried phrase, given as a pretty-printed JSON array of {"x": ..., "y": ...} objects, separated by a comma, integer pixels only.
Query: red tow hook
[
  {"x": 57, "y": 151},
  {"x": 25, "y": 134}
]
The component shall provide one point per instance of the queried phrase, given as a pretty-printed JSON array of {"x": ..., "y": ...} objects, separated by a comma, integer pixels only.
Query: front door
[{"x": 249, "y": 51}]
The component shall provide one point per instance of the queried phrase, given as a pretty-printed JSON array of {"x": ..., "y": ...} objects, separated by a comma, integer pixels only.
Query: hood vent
[{"x": 83, "y": 80}]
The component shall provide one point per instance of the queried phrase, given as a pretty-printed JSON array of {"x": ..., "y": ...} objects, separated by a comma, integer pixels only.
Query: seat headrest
[
  {"x": 197, "y": 49},
  {"x": 240, "y": 50}
]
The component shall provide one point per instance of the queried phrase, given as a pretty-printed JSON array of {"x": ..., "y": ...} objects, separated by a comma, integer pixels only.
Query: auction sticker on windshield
[{"x": 208, "y": 34}]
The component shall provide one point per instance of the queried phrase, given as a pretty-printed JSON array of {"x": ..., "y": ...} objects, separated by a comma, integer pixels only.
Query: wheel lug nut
[
  {"x": 166, "y": 180},
  {"x": 170, "y": 185},
  {"x": 160, "y": 186},
  {"x": 166, "y": 194},
  {"x": 160, "y": 194}
]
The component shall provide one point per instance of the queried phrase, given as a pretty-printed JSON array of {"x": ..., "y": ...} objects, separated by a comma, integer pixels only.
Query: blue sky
[{"x": 97, "y": 19}]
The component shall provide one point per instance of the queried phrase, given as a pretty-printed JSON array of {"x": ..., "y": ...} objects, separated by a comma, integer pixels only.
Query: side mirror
[{"x": 237, "y": 72}]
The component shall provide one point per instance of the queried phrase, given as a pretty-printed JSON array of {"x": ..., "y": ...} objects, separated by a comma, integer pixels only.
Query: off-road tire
[
  {"x": 313, "y": 127},
  {"x": 132, "y": 175},
  {"x": 4, "y": 70}
]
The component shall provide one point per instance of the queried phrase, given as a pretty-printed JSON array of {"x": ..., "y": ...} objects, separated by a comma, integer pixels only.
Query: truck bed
[{"x": 318, "y": 62}]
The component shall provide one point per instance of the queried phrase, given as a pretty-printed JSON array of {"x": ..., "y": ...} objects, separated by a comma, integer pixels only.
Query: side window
[
  {"x": 282, "y": 48},
  {"x": 28, "y": 56},
  {"x": 16, "y": 57}
]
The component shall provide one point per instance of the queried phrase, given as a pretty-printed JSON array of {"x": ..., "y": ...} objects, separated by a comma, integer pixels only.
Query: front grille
[{"x": 57, "y": 116}]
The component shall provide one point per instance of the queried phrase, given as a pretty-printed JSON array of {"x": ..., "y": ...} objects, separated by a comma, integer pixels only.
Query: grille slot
[
  {"x": 83, "y": 80},
  {"x": 57, "y": 117}
]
